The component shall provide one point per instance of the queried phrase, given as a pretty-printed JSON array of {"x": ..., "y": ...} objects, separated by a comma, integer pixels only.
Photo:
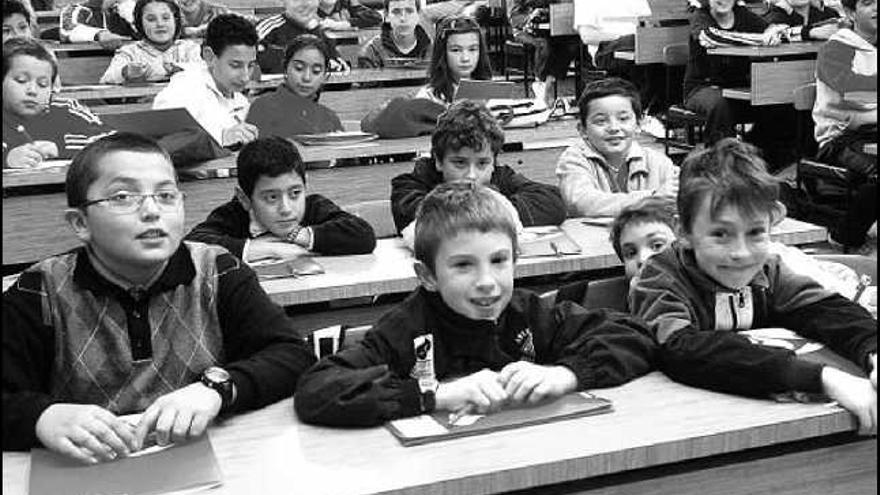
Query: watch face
[{"x": 216, "y": 375}]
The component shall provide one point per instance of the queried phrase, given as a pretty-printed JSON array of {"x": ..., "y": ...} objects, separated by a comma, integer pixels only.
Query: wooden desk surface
[
  {"x": 655, "y": 422},
  {"x": 782, "y": 50},
  {"x": 556, "y": 134}
]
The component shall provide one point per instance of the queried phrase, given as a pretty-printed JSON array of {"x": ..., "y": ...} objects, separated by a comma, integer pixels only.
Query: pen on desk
[
  {"x": 460, "y": 413},
  {"x": 864, "y": 282}
]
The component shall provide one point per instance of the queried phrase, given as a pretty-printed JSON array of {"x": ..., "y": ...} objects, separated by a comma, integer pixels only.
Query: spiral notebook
[{"x": 436, "y": 427}]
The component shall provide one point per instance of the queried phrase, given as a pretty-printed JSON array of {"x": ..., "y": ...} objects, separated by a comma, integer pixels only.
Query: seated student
[
  {"x": 87, "y": 334},
  {"x": 272, "y": 216},
  {"x": 720, "y": 277},
  {"x": 36, "y": 126},
  {"x": 459, "y": 52},
  {"x": 345, "y": 14},
  {"x": 466, "y": 339},
  {"x": 213, "y": 94},
  {"x": 17, "y": 20},
  {"x": 277, "y": 31},
  {"x": 608, "y": 169},
  {"x": 401, "y": 36},
  {"x": 846, "y": 66},
  {"x": 705, "y": 75},
  {"x": 196, "y": 16},
  {"x": 465, "y": 145},
  {"x": 553, "y": 54},
  {"x": 160, "y": 51},
  {"x": 293, "y": 107},
  {"x": 103, "y": 21},
  {"x": 810, "y": 22}
]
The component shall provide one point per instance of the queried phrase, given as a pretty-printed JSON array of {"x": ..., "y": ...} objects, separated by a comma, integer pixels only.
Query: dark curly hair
[
  {"x": 271, "y": 157},
  {"x": 229, "y": 30},
  {"x": 139, "y": 17},
  {"x": 466, "y": 124}
]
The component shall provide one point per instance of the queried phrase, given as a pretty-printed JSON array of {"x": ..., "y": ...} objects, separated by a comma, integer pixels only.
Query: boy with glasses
[{"x": 136, "y": 321}]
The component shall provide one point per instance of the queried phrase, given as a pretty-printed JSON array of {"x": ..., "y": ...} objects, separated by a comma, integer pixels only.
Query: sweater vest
[{"x": 93, "y": 358}]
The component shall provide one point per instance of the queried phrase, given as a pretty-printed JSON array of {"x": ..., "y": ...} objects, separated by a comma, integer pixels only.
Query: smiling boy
[
  {"x": 608, "y": 169},
  {"x": 721, "y": 278},
  {"x": 136, "y": 320},
  {"x": 401, "y": 36},
  {"x": 467, "y": 339},
  {"x": 213, "y": 94}
]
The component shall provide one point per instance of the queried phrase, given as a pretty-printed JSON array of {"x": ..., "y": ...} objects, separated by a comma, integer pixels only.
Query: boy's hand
[
  {"x": 179, "y": 415},
  {"x": 773, "y": 34},
  {"x": 85, "y": 432},
  {"x": 241, "y": 133},
  {"x": 134, "y": 72},
  {"x": 529, "y": 383},
  {"x": 110, "y": 41},
  {"x": 273, "y": 248},
  {"x": 46, "y": 148},
  {"x": 856, "y": 395},
  {"x": 481, "y": 392},
  {"x": 25, "y": 156}
]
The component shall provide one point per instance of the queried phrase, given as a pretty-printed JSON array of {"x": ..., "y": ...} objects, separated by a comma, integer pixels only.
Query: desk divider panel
[
  {"x": 651, "y": 40},
  {"x": 774, "y": 82}
]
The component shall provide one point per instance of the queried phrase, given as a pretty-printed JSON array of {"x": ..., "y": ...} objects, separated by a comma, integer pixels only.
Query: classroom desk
[
  {"x": 773, "y": 76},
  {"x": 661, "y": 438},
  {"x": 552, "y": 134}
]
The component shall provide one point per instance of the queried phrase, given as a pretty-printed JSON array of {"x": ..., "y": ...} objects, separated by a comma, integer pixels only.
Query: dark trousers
[{"x": 553, "y": 55}]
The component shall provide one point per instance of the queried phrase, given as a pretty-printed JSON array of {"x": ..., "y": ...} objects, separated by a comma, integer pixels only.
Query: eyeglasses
[
  {"x": 456, "y": 24},
  {"x": 126, "y": 202}
]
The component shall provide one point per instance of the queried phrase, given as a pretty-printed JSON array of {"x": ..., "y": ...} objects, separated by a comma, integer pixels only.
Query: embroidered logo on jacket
[
  {"x": 526, "y": 343},
  {"x": 423, "y": 370}
]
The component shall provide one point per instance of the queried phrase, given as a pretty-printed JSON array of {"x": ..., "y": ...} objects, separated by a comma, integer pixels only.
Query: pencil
[{"x": 460, "y": 413}]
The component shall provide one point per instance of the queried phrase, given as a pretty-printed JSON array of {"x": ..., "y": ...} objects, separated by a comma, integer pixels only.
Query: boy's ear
[
  {"x": 243, "y": 198},
  {"x": 208, "y": 54},
  {"x": 77, "y": 220},
  {"x": 425, "y": 275},
  {"x": 779, "y": 213}
]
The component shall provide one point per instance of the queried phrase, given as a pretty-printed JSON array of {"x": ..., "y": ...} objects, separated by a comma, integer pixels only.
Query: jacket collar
[{"x": 635, "y": 158}]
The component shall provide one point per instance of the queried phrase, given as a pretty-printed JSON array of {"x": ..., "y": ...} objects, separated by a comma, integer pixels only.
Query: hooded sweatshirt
[{"x": 382, "y": 47}]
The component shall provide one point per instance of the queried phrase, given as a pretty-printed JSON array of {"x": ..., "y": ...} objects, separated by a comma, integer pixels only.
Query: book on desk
[
  {"x": 301, "y": 266},
  {"x": 546, "y": 241},
  {"x": 441, "y": 425}
]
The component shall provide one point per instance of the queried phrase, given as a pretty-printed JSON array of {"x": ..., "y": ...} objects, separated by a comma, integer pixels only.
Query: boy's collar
[
  {"x": 457, "y": 324},
  {"x": 636, "y": 152},
  {"x": 179, "y": 270}
]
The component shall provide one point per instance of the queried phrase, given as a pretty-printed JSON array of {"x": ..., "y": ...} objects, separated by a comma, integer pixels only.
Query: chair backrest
[
  {"x": 676, "y": 54},
  {"x": 803, "y": 97},
  {"x": 378, "y": 214},
  {"x": 610, "y": 293}
]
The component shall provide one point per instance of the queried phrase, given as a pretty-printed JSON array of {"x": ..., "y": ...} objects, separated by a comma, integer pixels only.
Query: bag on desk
[
  {"x": 403, "y": 117},
  {"x": 192, "y": 146}
]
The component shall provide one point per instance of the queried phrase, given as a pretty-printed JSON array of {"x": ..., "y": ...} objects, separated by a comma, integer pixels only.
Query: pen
[{"x": 460, "y": 413}]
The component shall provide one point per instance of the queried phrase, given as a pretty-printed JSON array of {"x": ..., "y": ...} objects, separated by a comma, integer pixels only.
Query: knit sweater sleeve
[
  {"x": 603, "y": 348},
  {"x": 364, "y": 385},
  {"x": 226, "y": 226},
  {"x": 28, "y": 357},
  {"x": 536, "y": 203},
  {"x": 265, "y": 355},
  {"x": 336, "y": 231},
  {"x": 702, "y": 357}
]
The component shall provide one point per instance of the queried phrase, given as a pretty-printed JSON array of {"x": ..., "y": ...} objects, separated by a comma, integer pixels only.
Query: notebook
[
  {"x": 297, "y": 267},
  {"x": 546, "y": 241},
  {"x": 153, "y": 123},
  {"x": 186, "y": 466},
  {"x": 436, "y": 427},
  {"x": 487, "y": 90}
]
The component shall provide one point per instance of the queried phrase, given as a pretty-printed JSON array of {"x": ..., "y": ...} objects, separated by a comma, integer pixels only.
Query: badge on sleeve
[
  {"x": 423, "y": 370},
  {"x": 526, "y": 343}
]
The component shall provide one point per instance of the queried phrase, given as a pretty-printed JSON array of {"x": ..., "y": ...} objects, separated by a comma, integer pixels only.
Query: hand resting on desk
[
  {"x": 856, "y": 395},
  {"x": 272, "y": 248},
  {"x": 86, "y": 432},
  {"x": 31, "y": 155}
]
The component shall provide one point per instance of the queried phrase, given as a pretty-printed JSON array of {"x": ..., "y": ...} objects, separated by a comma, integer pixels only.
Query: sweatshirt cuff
[
  {"x": 410, "y": 398},
  {"x": 244, "y": 391},
  {"x": 580, "y": 366},
  {"x": 803, "y": 376},
  {"x": 30, "y": 413}
]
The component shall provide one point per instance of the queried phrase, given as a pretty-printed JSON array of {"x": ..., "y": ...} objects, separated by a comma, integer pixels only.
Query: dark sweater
[
  {"x": 691, "y": 315},
  {"x": 335, "y": 231},
  {"x": 372, "y": 382},
  {"x": 536, "y": 203},
  {"x": 286, "y": 114},
  {"x": 705, "y": 70},
  {"x": 382, "y": 47},
  {"x": 260, "y": 348}
]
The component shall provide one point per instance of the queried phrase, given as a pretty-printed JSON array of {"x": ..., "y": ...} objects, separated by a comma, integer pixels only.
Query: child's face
[
  {"x": 468, "y": 164},
  {"x": 721, "y": 6},
  {"x": 233, "y": 68},
  {"x": 15, "y": 25},
  {"x": 610, "y": 125},
  {"x": 27, "y": 86},
  {"x": 474, "y": 273},
  {"x": 462, "y": 54},
  {"x": 639, "y": 241},
  {"x": 189, "y": 5},
  {"x": 730, "y": 248},
  {"x": 306, "y": 72},
  {"x": 403, "y": 17},
  {"x": 301, "y": 11},
  {"x": 158, "y": 23},
  {"x": 136, "y": 240},
  {"x": 278, "y": 203},
  {"x": 864, "y": 18}
]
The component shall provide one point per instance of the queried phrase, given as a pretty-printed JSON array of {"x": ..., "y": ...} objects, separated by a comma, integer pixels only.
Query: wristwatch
[{"x": 218, "y": 379}]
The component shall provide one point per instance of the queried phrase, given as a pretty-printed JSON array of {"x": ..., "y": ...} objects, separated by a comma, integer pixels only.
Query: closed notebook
[
  {"x": 436, "y": 426},
  {"x": 546, "y": 241},
  {"x": 297, "y": 267},
  {"x": 189, "y": 466}
]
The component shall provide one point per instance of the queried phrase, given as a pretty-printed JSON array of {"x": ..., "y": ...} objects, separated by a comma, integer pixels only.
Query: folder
[{"x": 546, "y": 241}]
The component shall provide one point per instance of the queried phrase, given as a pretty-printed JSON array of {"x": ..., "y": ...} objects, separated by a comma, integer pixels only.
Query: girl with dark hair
[{"x": 460, "y": 52}]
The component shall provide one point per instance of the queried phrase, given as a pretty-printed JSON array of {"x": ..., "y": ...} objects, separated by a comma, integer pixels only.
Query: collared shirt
[
  {"x": 590, "y": 187},
  {"x": 196, "y": 90}
]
